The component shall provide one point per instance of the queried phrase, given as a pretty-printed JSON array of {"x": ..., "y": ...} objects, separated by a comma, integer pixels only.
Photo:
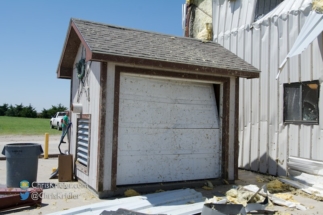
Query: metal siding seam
[
  {"x": 284, "y": 129},
  {"x": 236, "y": 19},
  {"x": 236, "y": 129},
  {"x": 241, "y": 127},
  {"x": 263, "y": 148},
  {"x": 272, "y": 112}
]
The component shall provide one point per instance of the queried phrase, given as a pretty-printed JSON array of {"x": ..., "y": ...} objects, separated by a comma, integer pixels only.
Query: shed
[{"x": 150, "y": 108}]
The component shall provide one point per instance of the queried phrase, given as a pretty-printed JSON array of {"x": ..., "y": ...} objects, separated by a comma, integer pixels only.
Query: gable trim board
[{"x": 102, "y": 124}]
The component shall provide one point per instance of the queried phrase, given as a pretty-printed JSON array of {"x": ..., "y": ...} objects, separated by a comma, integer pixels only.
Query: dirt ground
[{"x": 75, "y": 194}]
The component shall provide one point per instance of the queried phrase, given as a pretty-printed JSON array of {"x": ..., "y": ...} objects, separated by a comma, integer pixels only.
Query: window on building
[
  {"x": 83, "y": 143},
  {"x": 301, "y": 102}
]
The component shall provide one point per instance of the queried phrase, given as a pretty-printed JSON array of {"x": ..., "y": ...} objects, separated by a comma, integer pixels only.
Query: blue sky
[{"x": 32, "y": 34}]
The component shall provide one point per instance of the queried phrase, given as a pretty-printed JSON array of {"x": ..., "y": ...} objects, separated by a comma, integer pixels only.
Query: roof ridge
[{"x": 139, "y": 30}]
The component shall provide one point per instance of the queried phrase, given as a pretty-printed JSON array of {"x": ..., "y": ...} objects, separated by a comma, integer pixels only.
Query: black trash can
[{"x": 22, "y": 162}]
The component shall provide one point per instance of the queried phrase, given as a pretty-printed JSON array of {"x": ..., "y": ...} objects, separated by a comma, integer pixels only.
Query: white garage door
[{"x": 168, "y": 131}]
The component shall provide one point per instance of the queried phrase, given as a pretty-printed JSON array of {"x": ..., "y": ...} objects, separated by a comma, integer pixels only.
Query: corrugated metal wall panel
[
  {"x": 229, "y": 17},
  {"x": 240, "y": 158},
  {"x": 254, "y": 145},
  {"x": 283, "y": 137},
  {"x": 263, "y": 144},
  {"x": 246, "y": 147},
  {"x": 247, "y": 124},
  {"x": 293, "y": 30},
  {"x": 251, "y": 5},
  {"x": 227, "y": 41},
  {"x": 317, "y": 62},
  {"x": 281, "y": 27},
  {"x": 277, "y": 140},
  {"x": 293, "y": 140},
  {"x": 233, "y": 42},
  {"x": 317, "y": 144},
  {"x": 321, "y": 108},
  {"x": 241, "y": 44},
  {"x": 241, "y": 127},
  {"x": 248, "y": 40},
  {"x": 221, "y": 19},
  {"x": 305, "y": 142},
  {"x": 261, "y": 55},
  {"x": 235, "y": 19},
  {"x": 273, "y": 89}
]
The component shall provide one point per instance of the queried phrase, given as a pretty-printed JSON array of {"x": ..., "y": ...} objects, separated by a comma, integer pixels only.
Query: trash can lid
[{"x": 19, "y": 146}]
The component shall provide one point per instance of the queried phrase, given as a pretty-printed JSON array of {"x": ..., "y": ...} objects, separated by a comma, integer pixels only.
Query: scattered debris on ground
[
  {"x": 131, "y": 192},
  {"x": 208, "y": 185}
]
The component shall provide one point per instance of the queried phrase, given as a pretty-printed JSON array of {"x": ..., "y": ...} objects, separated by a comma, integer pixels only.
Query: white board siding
[
  {"x": 168, "y": 131},
  {"x": 87, "y": 94}
]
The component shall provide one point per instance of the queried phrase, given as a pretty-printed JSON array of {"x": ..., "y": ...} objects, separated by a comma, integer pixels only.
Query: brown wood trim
[
  {"x": 85, "y": 116},
  {"x": 115, "y": 131},
  {"x": 162, "y": 73},
  {"x": 87, "y": 48},
  {"x": 102, "y": 119},
  {"x": 70, "y": 49},
  {"x": 172, "y": 65},
  {"x": 70, "y": 115},
  {"x": 236, "y": 130},
  {"x": 225, "y": 118},
  {"x": 225, "y": 129}
]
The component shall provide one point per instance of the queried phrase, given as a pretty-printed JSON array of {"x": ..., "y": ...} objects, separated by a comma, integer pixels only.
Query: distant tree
[
  {"x": 28, "y": 111},
  {"x": 10, "y": 111},
  {"x": 18, "y": 109},
  {"x": 3, "y": 109},
  {"x": 52, "y": 111},
  {"x": 44, "y": 114}
]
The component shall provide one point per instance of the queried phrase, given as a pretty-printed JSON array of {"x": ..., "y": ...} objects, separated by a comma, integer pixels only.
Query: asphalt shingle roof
[{"x": 119, "y": 41}]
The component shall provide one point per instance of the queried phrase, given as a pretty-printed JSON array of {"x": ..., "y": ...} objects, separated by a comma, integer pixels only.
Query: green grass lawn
[{"x": 25, "y": 126}]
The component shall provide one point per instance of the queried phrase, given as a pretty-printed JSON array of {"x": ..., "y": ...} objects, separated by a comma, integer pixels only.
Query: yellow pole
[{"x": 46, "y": 145}]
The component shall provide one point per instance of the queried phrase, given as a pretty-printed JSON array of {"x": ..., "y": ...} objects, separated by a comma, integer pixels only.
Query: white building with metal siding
[{"x": 272, "y": 141}]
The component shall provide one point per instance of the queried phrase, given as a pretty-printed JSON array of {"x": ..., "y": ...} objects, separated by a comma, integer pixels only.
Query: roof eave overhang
[
  {"x": 172, "y": 65},
  {"x": 70, "y": 49}
]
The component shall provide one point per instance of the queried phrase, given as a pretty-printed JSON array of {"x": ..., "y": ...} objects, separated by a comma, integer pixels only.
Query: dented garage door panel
[{"x": 168, "y": 131}]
